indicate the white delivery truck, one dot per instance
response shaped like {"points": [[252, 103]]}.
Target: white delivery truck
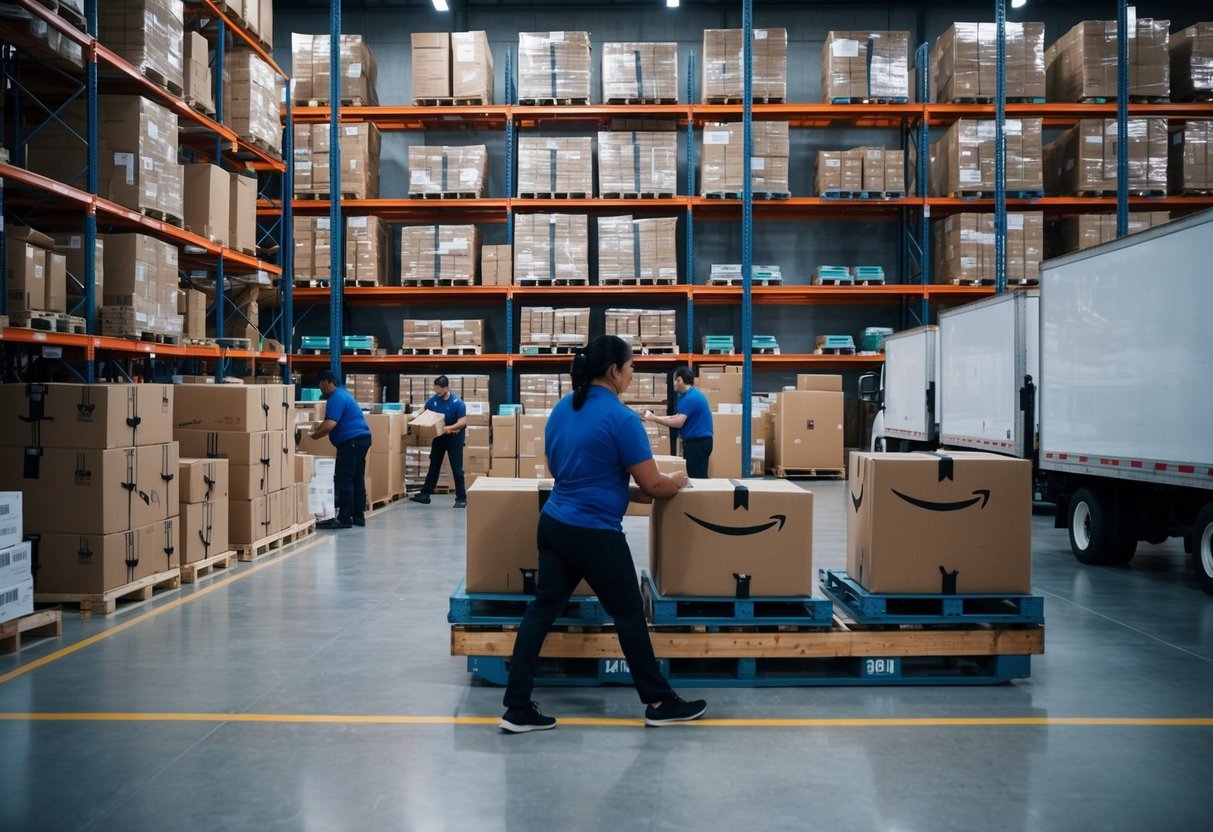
{"points": [[908, 419], [1126, 393]]}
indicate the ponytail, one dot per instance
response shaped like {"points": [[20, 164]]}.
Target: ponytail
{"points": [[594, 362]]}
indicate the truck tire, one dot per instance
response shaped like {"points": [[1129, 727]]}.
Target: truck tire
{"points": [[1091, 531], [1202, 553]]}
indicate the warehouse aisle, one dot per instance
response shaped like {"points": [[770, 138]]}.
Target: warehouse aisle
{"points": [[315, 691]]}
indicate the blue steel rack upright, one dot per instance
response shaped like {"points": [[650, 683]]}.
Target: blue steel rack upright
{"points": [[336, 229], [747, 233]]}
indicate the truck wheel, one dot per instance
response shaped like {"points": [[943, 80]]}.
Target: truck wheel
{"points": [[1202, 554], [1090, 530]]}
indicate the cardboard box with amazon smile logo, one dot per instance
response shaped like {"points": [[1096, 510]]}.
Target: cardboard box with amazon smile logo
{"points": [[706, 535], [940, 523]]}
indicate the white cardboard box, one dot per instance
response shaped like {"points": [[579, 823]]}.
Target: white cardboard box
{"points": [[12, 526], [16, 564], [16, 600]]}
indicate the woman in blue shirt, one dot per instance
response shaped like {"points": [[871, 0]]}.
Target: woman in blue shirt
{"points": [[593, 444]]}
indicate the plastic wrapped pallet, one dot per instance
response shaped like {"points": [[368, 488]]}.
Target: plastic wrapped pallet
{"points": [[439, 252], [647, 388], [965, 57], [471, 66], [723, 162], [252, 96], [640, 73], [1190, 158], [497, 265], [1083, 160], [1088, 230], [553, 65], [141, 289], [1082, 63], [865, 65], [872, 169], [422, 334], [368, 251], [556, 165], [637, 249], [463, 333], [149, 34], [313, 248], [1192, 62], [310, 65], [366, 388], [442, 170], [964, 247], [360, 150], [551, 247], [964, 159], [723, 79], [637, 163]]}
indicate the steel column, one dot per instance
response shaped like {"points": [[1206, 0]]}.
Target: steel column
{"points": [[922, 137], [510, 137], [92, 116], [690, 216], [1122, 116], [1000, 148], [336, 230], [286, 236], [747, 231]]}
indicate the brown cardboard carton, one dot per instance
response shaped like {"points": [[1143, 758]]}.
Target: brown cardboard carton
{"points": [[56, 282], [204, 480], [431, 55], [666, 464], [72, 247], [725, 460], [247, 482], [471, 66], [232, 407], [387, 432], [387, 475], [242, 234], [95, 563], [26, 265], [199, 86], [204, 530], [238, 448], [809, 428], [715, 529], [930, 523], [428, 424], [208, 202], [101, 415], [321, 448], [1192, 61], [819, 381], [303, 510]]}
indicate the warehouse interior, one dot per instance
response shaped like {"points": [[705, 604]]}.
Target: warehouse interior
{"points": [[330, 679]]}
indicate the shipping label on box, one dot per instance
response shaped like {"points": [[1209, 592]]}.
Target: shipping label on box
{"points": [[12, 524], [16, 563]]}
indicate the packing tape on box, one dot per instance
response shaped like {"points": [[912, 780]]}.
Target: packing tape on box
{"points": [[636, 162], [639, 77], [552, 58], [437, 251], [552, 166], [552, 249], [636, 249], [444, 168]]}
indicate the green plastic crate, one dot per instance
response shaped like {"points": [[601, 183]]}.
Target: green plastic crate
{"points": [[872, 338]]}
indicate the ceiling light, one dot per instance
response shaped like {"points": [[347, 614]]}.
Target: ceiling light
{"points": [[440, 5], [1018, 4], [671, 4]]}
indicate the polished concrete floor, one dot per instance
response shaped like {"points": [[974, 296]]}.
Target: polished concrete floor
{"points": [[314, 691]]}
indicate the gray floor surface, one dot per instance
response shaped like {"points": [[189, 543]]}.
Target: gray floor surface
{"points": [[354, 624]]}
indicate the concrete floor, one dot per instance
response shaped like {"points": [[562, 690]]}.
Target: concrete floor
{"points": [[265, 672]]}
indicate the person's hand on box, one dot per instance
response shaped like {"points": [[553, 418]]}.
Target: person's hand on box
{"points": [[648, 414], [680, 479]]}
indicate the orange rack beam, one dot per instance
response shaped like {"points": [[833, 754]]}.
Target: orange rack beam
{"points": [[93, 344]]}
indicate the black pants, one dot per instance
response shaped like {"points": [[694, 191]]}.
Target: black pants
{"points": [[696, 453], [349, 478], [566, 555], [450, 445]]}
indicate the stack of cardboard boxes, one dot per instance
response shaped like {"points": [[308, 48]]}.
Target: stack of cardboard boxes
{"points": [[1088, 230], [148, 34], [808, 425], [722, 387], [637, 163], [496, 265], [865, 65], [252, 92], [1084, 159], [246, 424], [637, 250], [965, 59], [723, 167], [368, 251], [141, 287], [1082, 63], [445, 170], [553, 65], [360, 148], [37, 274], [221, 206], [421, 335], [644, 327], [872, 169], [648, 391], [191, 306], [310, 69], [385, 464], [366, 388], [640, 73], [1192, 62], [434, 335], [198, 84], [16, 562], [541, 391], [99, 475], [439, 252], [455, 65], [1190, 159], [723, 70], [964, 247], [551, 247], [313, 248], [518, 446], [544, 326], [71, 246], [205, 485], [964, 159], [556, 166]]}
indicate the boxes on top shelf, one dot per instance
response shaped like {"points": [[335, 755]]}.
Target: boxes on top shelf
{"points": [[723, 78], [865, 65], [1083, 160], [638, 249], [640, 72], [149, 34], [1192, 62], [199, 86], [556, 166], [252, 95], [553, 66], [965, 57], [1081, 65], [1190, 158], [471, 67], [310, 65]]}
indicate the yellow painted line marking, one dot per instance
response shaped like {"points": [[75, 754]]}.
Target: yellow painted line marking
{"points": [[172, 605], [353, 719]]}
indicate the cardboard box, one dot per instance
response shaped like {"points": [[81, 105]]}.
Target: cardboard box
{"points": [[864, 65], [208, 202], [204, 530], [204, 480], [1191, 61], [809, 430], [553, 65], [95, 563], [232, 407], [12, 523], [723, 76], [387, 432], [72, 247], [25, 261], [666, 464], [242, 214], [705, 534], [427, 424], [387, 475], [256, 519], [431, 58], [725, 460], [819, 381], [644, 71], [471, 66], [1082, 63], [199, 85], [303, 510], [555, 165], [16, 564], [960, 523], [85, 415], [964, 58], [17, 600]]}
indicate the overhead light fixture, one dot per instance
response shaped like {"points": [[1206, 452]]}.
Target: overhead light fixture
{"points": [[1018, 4], [671, 4], [440, 5]]}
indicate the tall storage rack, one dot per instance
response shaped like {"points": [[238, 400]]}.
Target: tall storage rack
{"points": [[916, 294], [64, 206]]}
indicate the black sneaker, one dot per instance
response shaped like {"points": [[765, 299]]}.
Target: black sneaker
{"points": [[461, 504], [522, 720], [332, 523], [424, 499], [674, 710], [359, 521]]}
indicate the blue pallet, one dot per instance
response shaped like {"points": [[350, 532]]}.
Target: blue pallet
{"points": [[868, 608], [701, 611], [508, 608], [771, 673]]}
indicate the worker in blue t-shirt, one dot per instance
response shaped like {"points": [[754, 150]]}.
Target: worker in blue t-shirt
{"points": [[346, 428], [594, 443], [693, 421], [449, 444]]}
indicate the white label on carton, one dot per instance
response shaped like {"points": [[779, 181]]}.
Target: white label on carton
{"points": [[716, 137], [968, 262], [149, 163], [969, 175], [153, 131], [553, 144], [1132, 21], [668, 271], [465, 54], [353, 164], [760, 34], [551, 219], [38, 269], [351, 131], [126, 160], [833, 163], [1093, 139], [985, 130], [468, 176], [355, 70], [322, 223], [758, 163], [845, 48], [419, 177], [358, 222], [1014, 222], [556, 37], [74, 242]]}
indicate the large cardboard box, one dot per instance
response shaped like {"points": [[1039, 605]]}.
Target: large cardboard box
{"points": [[208, 202], [935, 523], [819, 381], [809, 430], [197, 76], [471, 66], [232, 407], [387, 475], [203, 480], [12, 525], [305, 467], [204, 530], [387, 432], [17, 600], [96, 563], [242, 214], [253, 520], [16, 564], [431, 54], [666, 464], [85, 415], [725, 460], [427, 424], [703, 536], [25, 261]]}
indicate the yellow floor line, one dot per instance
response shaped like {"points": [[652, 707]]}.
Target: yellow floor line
{"points": [[172, 605], [340, 719]]}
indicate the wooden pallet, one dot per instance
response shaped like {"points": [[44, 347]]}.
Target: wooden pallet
{"points": [[107, 602], [440, 195], [451, 101], [553, 102], [66, 12], [868, 195], [200, 106], [640, 195], [552, 281], [191, 572], [977, 193], [38, 624], [177, 222], [834, 351], [161, 81], [553, 195], [317, 197], [984, 281], [324, 102], [772, 196], [270, 544], [440, 351], [638, 281], [737, 99], [656, 349], [550, 349], [737, 281], [896, 99], [1148, 193], [456, 281], [629, 101], [809, 473], [273, 151], [384, 502]]}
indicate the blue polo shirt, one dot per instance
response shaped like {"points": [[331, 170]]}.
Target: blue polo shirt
{"points": [[342, 409], [589, 452], [694, 405], [452, 407]]}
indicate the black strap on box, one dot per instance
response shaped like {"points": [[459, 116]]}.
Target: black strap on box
{"points": [[35, 395], [83, 553], [741, 495], [31, 468], [132, 555], [636, 162], [210, 486], [34, 541], [636, 248], [743, 585], [551, 248], [639, 75], [553, 162], [529, 579], [212, 445], [208, 517], [947, 466], [552, 65], [437, 252], [85, 406], [444, 168], [871, 48], [948, 581], [265, 405], [165, 474], [170, 535], [133, 421]]}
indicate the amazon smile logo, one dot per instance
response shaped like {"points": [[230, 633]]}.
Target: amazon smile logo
{"points": [[739, 531], [981, 495]]}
